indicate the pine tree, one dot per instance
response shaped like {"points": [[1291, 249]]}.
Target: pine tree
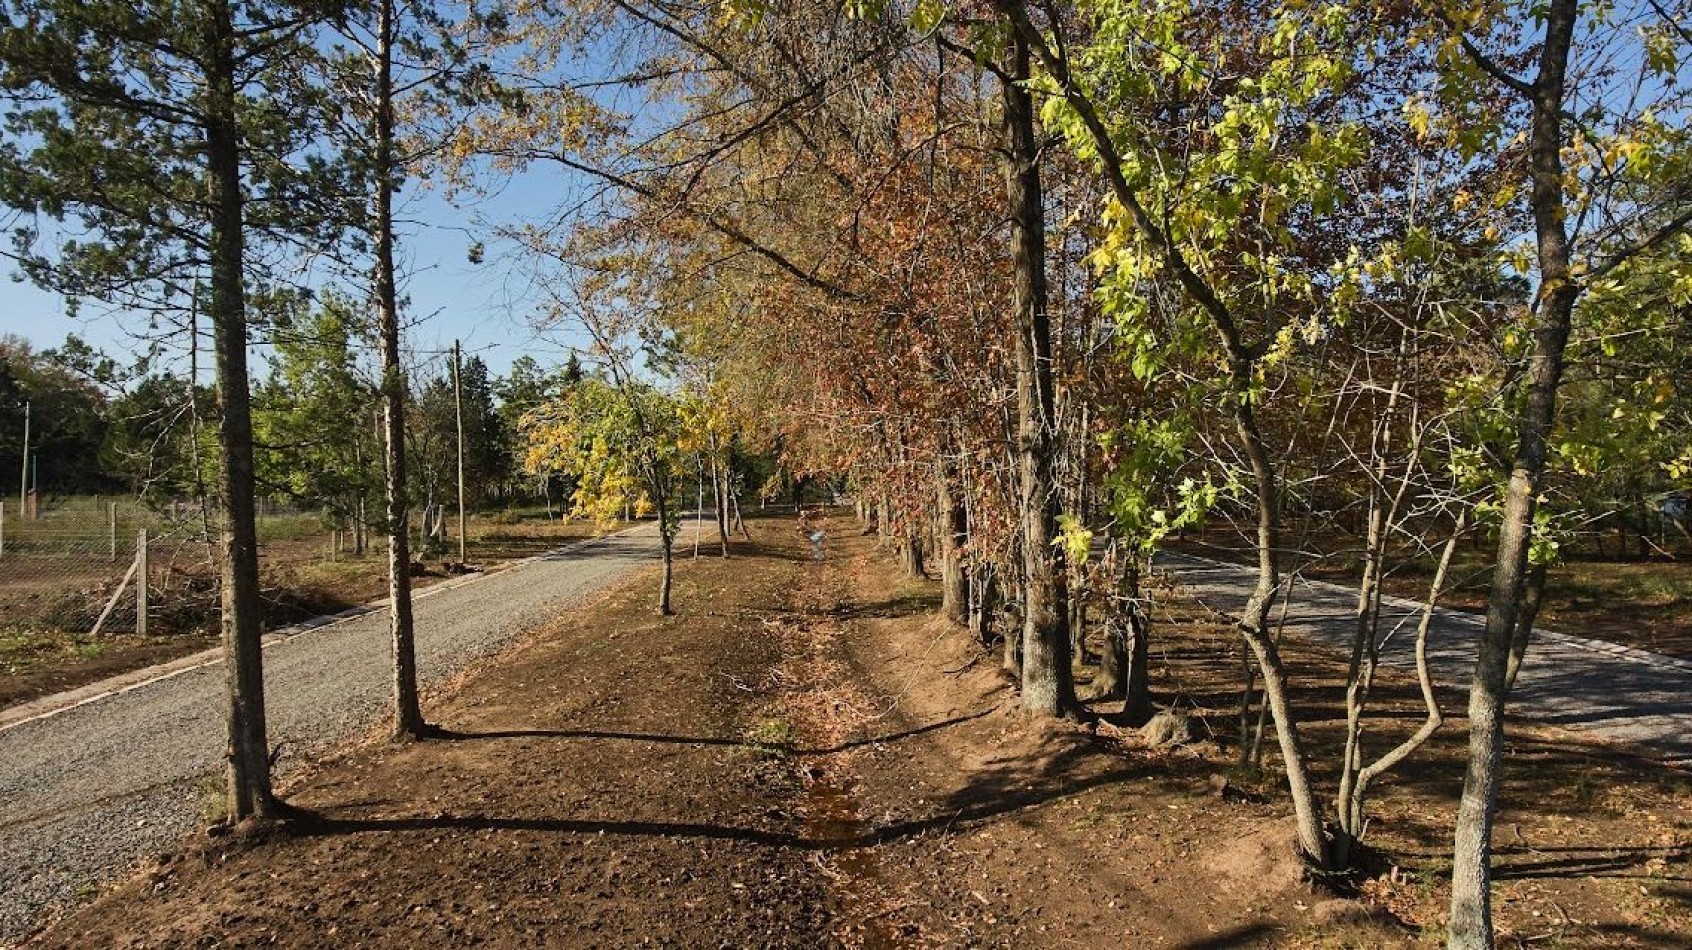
{"points": [[179, 138]]}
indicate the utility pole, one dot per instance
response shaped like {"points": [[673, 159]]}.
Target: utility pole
{"points": [[458, 408], [23, 484], [194, 421]]}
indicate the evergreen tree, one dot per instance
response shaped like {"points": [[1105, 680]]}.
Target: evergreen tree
{"points": [[179, 138]]}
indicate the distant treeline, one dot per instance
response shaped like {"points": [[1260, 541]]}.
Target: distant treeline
{"points": [[98, 428]]}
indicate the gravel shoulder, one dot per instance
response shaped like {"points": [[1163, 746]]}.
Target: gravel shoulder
{"points": [[87, 792]]}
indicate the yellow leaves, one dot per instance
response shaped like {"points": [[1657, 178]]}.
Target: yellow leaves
{"points": [[1662, 391], [1518, 257], [1679, 467]]}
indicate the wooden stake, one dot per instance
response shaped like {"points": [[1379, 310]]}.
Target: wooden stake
{"points": [[122, 586], [141, 598]]}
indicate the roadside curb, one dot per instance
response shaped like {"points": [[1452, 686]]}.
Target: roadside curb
{"points": [[47, 707]]}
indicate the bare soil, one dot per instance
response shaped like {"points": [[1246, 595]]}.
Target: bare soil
{"points": [[41, 664], [806, 757]]}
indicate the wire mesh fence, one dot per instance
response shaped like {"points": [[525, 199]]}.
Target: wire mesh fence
{"points": [[90, 565], [74, 566]]}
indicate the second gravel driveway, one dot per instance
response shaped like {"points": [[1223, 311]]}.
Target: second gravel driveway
{"points": [[1616, 693]]}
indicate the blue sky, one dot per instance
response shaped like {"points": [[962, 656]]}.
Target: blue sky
{"points": [[483, 305]]}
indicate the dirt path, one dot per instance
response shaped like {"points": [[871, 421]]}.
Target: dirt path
{"points": [[783, 765], [991, 829]]}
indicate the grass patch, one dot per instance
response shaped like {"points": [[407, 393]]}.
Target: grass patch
{"points": [[771, 734], [24, 650], [211, 793]]}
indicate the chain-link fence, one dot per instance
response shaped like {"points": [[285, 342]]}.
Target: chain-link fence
{"points": [[90, 565]]}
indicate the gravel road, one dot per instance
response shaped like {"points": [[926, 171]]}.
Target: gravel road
{"points": [[88, 791], [1617, 693]]}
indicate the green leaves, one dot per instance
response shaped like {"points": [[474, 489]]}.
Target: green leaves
{"points": [[105, 126]]}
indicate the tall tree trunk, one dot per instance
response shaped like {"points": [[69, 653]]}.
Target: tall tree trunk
{"points": [[983, 601], [408, 713], [1048, 685], [1137, 705], [910, 553], [666, 540], [1013, 604], [1254, 620], [1241, 366], [719, 493], [1471, 885], [952, 528], [250, 794], [1011, 612], [1112, 681], [1123, 672]]}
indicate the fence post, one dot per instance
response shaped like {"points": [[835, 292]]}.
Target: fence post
{"points": [[111, 524], [2, 527], [141, 583]]}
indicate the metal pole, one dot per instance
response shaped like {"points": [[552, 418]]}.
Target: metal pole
{"points": [[458, 406], [111, 523]]}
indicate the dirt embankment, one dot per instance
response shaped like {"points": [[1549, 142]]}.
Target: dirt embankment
{"points": [[804, 757]]}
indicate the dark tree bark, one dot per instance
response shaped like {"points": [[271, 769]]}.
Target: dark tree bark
{"points": [[667, 541], [720, 494], [1048, 685], [952, 528], [910, 554], [1112, 681], [1533, 596], [408, 713], [1122, 671], [1137, 705], [983, 601], [250, 793]]}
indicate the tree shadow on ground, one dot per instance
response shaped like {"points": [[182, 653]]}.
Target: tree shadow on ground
{"points": [[902, 605], [1583, 862], [1241, 936], [982, 803], [450, 735], [1619, 935]]}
